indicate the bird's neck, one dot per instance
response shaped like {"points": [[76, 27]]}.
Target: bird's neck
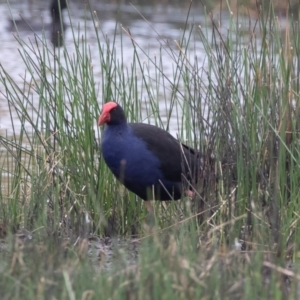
{"points": [[55, 16], [117, 127]]}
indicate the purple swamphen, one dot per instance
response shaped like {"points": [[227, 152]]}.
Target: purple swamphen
{"points": [[148, 160]]}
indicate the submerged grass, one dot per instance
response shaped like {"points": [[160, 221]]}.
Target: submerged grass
{"points": [[238, 105]]}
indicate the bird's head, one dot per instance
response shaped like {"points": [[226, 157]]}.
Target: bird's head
{"points": [[112, 114]]}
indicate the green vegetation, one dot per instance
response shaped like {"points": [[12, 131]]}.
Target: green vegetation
{"points": [[238, 105]]}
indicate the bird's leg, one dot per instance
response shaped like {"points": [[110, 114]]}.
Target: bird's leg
{"points": [[148, 206], [190, 193], [150, 218]]}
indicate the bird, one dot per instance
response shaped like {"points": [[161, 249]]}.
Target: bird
{"points": [[146, 159], [56, 27]]}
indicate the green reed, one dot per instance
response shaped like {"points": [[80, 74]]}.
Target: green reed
{"points": [[235, 101]]}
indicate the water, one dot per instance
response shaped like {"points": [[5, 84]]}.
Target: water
{"points": [[152, 27]]}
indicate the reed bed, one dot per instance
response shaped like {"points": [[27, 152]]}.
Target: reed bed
{"points": [[70, 231]]}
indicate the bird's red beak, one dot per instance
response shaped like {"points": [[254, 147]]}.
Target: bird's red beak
{"points": [[104, 118], [105, 115]]}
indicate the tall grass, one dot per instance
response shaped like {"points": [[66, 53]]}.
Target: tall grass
{"points": [[238, 106]]}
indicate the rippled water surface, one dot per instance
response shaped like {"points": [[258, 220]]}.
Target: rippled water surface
{"points": [[152, 27]]}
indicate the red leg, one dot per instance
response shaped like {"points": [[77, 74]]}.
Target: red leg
{"points": [[190, 193], [148, 206]]}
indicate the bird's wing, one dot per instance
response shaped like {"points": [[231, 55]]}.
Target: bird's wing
{"points": [[175, 158]]}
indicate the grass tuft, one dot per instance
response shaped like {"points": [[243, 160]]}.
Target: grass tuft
{"points": [[69, 230]]}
